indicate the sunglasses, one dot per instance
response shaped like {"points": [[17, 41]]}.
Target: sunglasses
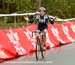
{"points": [[42, 10]]}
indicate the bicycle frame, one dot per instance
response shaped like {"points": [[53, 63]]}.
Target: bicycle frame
{"points": [[40, 39]]}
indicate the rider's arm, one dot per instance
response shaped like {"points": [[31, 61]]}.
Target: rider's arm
{"points": [[32, 20], [28, 20], [35, 19], [51, 19]]}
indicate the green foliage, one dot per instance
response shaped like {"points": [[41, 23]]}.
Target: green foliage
{"points": [[25, 6], [61, 8], [10, 1]]}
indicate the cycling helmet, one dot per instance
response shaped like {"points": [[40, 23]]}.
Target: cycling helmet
{"points": [[42, 9]]}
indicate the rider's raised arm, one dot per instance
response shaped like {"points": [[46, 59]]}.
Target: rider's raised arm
{"points": [[35, 19], [32, 20], [51, 20]]}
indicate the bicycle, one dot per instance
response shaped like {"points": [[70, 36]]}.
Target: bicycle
{"points": [[40, 44]]}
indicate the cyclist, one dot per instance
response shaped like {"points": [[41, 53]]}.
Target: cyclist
{"points": [[42, 19]]}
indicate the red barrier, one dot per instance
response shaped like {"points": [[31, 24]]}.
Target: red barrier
{"points": [[20, 41]]}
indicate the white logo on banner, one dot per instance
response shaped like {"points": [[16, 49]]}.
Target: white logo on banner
{"points": [[73, 27], [13, 37], [56, 34], [48, 41], [66, 31], [30, 38], [33, 39], [2, 53]]}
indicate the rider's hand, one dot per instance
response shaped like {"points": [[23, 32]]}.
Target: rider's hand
{"points": [[26, 18], [55, 17]]}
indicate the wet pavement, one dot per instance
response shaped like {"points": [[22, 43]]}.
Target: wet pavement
{"points": [[64, 55]]}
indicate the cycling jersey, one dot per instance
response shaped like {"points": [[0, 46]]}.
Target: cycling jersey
{"points": [[42, 21]]}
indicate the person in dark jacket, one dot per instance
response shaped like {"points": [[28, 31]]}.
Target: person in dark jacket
{"points": [[42, 19]]}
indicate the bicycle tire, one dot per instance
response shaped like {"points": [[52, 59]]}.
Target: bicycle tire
{"points": [[42, 51], [36, 53], [39, 46]]}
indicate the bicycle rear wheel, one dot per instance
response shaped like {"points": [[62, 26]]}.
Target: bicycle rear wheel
{"points": [[36, 53], [42, 51], [39, 50]]}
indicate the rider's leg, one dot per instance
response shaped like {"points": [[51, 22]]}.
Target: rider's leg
{"points": [[44, 37], [37, 35]]}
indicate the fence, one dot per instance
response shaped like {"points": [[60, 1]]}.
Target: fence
{"points": [[23, 14]]}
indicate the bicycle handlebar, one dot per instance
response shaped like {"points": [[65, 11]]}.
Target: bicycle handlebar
{"points": [[35, 32]]}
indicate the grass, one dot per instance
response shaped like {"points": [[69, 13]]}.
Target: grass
{"points": [[12, 25], [4, 25]]}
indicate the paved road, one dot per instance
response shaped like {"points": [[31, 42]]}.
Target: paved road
{"points": [[64, 55]]}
